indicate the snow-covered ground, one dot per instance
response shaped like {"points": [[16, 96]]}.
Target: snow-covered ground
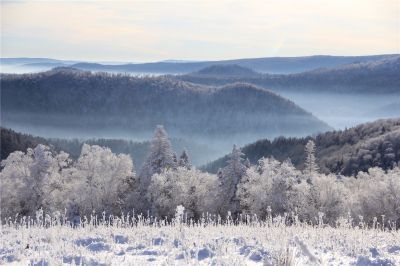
{"points": [[256, 243]]}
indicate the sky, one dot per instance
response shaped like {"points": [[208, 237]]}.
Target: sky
{"points": [[143, 31]]}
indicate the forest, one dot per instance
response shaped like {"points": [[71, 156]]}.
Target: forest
{"points": [[100, 181], [91, 104], [11, 141], [347, 152], [359, 77]]}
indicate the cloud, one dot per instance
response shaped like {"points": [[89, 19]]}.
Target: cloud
{"points": [[155, 30]]}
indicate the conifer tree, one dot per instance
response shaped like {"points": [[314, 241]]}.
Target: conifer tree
{"points": [[184, 160], [160, 157], [229, 179], [311, 166]]}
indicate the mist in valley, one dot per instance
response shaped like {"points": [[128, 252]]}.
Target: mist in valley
{"points": [[201, 147], [340, 110], [205, 137]]}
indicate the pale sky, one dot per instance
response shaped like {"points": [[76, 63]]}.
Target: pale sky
{"points": [[138, 31]]}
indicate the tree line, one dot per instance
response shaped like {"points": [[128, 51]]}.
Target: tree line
{"points": [[346, 152], [100, 181]]}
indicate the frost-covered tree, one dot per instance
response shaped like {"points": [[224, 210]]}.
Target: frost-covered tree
{"points": [[229, 179], [327, 195], [311, 166], [389, 156], [101, 181], [191, 188], [32, 180], [160, 157], [247, 163], [376, 193], [270, 184], [184, 160]]}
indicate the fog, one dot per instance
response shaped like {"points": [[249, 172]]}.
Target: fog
{"points": [[208, 136], [346, 110], [202, 147], [21, 69]]}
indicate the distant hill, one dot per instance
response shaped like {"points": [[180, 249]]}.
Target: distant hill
{"points": [[226, 70], [346, 152], [27, 60], [274, 65], [73, 99], [35, 61], [28, 65], [380, 76], [283, 65]]}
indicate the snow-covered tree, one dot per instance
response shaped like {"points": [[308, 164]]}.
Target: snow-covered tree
{"points": [[191, 188], [32, 180], [229, 179], [101, 180], [375, 193], [160, 157], [247, 163], [311, 166], [271, 183], [326, 195], [184, 160]]}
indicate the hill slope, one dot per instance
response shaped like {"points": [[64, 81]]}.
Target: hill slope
{"points": [[346, 152], [226, 70], [277, 65], [268, 64], [373, 76], [73, 99]]}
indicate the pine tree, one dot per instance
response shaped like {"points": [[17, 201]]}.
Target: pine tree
{"points": [[311, 166], [174, 159], [247, 163], [160, 157], [184, 160], [229, 179]]}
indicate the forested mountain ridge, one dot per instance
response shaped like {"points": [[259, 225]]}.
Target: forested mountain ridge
{"points": [[226, 70], [346, 152], [267, 65], [380, 76], [276, 65], [66, 97]]}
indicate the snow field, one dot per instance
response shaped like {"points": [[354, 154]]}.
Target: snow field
{"points": [[254, 243]]}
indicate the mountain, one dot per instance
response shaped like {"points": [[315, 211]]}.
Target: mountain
{"points": [[276, 65], [381, 76], [28, 60], [75, 100], [267, 64], [28, 65], [346, 152], [36, 62], [226, 70]]}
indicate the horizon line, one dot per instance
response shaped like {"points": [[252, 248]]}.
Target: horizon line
{"points": [[195, 60]]}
